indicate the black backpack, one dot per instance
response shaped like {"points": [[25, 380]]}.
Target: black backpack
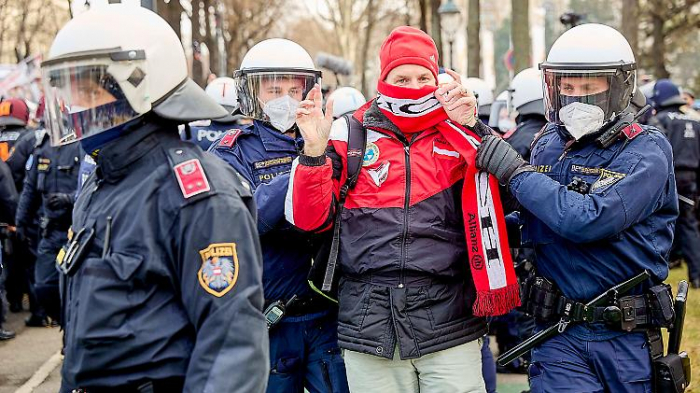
{"points": [[323, 276]]}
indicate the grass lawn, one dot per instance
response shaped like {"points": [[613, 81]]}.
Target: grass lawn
{"points": [[691, 330]]}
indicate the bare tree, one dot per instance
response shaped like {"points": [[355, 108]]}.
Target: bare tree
{"points": [[424, 8], [520, 34], [171, 11], [246, 22], [474, 39], [369, 29], [436, 27], [630, 23]]}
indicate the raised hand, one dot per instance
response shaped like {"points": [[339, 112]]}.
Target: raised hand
{"points": [[458, 101], [315, 126]]}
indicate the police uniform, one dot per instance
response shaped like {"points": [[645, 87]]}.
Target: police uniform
{"points": [[49, 189], [303, 346], [164, 273], [586, 241], [684, 134], [16, 145], [205, 132], [523, 135], [8, 206]]}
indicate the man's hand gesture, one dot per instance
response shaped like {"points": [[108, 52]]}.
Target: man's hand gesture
{"points": [[315, 126]]}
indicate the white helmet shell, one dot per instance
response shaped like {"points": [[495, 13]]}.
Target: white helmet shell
{"points": [[223, 91], [480, 87], [346, 100], [141, 57], [591, 43], [277, 53], [525, 88]]}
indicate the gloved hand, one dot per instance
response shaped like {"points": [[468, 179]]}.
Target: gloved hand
{"points": [[497, 157], [59, 201]]}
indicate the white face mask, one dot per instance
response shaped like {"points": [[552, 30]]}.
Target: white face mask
{"points": [[581, 119], [282, 112]]}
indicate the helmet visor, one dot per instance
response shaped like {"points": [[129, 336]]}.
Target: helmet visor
{"points": [[610, 90], [256, 89], [84, 99]]}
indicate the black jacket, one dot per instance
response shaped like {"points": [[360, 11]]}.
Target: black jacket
{"points": [[176, 288]]}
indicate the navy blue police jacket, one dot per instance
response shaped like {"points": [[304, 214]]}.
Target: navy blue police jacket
{"points": [[174, 286], [205, 132], [263, 156], [49, 170], [586, 243]]}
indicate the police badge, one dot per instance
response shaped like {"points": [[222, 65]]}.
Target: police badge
{"points": [[219, 270]]}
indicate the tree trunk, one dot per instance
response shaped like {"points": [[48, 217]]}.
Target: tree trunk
{"points": [[197, 39], [424, 15], [436, 29], [474, 40], [371, 18], [520, 34], [630, 23], [659, 45], [211, 38], [172, 13]]}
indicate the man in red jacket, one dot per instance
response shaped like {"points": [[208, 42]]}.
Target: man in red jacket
{"points": [[422, 252]]}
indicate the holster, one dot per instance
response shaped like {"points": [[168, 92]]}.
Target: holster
{"points": [[671, 373]]}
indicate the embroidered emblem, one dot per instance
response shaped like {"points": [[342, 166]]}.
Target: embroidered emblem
{"points": [[191, 178], [584, 170], [219, 270], [632, 131], [689, 132], [606, 179], [272, 162], [371, 154], [230, 138], [380, 173]]}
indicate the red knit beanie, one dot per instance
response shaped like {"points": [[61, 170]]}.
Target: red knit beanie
{"points": [[408, 45]]}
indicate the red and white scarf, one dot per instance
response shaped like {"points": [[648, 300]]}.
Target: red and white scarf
{"points": [[497, 290]]}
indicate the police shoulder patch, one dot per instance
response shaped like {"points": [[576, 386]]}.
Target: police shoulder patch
{"points": [[191, 178], [632, 131], [606, 179], [230, 138], [219, 270]]}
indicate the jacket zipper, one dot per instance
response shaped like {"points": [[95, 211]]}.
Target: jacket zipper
{"points": [[406, 205]]}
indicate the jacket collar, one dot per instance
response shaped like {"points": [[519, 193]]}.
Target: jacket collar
{"points": [[274, 140], [116, 158]]}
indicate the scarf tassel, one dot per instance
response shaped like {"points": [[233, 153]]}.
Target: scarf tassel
{"points": [[497, 301]]}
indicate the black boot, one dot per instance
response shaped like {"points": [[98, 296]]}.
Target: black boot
{"points": [[36, 321], [695, 283], [6, 334]]}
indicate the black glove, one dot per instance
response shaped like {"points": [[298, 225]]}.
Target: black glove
{"points": [[59, 201], [497, 157]]}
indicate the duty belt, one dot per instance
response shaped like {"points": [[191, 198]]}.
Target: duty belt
{"points": [[304, 305], [547, 304]]}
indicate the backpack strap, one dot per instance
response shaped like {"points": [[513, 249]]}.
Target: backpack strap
{"points": [[357, 143]]}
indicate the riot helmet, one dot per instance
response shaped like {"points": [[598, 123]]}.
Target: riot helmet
{"points": [[589, 78], [112, 65], [526, 94], [274, 77], [346, 100]]}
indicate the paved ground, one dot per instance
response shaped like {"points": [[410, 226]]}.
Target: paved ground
{"points": [[31, 362]]}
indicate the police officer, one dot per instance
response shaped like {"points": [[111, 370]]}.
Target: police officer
{"points": [[49, 188], [484, 97], [614, 219], [346, 100], [8, 205], [527, 99], [684, 134], [163, 269], [17, 141], [273, 78], [206, 132]]}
